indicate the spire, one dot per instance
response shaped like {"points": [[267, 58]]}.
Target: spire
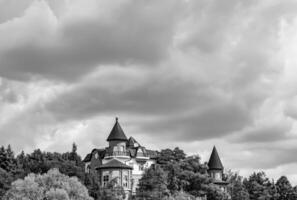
{"points": [[117, 132], [214, 162]]}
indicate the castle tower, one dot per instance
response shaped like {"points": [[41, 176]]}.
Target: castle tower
{"points": [[215, 166], [117, 141]]}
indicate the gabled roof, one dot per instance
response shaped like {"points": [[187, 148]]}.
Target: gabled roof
{"points": [[132, 152], [214, 162], [88, 157], [117, 133], [114, 164], [131, 142]]}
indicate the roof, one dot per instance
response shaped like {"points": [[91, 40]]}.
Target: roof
{"points": [[114, 164], [132, 152], [88, 157], [214, 162], [131, 142], [117, 133]]}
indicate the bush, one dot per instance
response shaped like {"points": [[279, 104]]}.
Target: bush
{"points": [[52, 186]]}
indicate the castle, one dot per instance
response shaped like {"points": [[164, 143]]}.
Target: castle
{"points": [[125, 161]]}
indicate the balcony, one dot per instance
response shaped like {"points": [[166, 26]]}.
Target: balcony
{"points": [[117, 154]]}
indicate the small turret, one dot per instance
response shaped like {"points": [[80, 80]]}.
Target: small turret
{"points": [[117, 133], [117, 140], [215, 166]]}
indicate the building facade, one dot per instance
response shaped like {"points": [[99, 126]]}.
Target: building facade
{"points": [[125, 160]]}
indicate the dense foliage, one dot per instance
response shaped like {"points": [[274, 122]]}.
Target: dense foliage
{"points": [[17, 167], [51, 186], [175, 176]]}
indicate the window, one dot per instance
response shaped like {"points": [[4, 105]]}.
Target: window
{"points": [[105, 179], [125, 182], [218, 176], [88, 168], [121, 148]]}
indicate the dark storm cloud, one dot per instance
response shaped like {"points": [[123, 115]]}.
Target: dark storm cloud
{"points": [[268, 157], [177, 108], [269, 133], [152, 96], [212, 122], [137, 32]]}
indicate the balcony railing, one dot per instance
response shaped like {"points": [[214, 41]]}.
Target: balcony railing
{"points": [[141, 154], [117, 153]]}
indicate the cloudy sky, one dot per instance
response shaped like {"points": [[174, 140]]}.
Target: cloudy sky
{"points": [[187, 73]]}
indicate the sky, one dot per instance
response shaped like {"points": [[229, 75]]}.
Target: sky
{"points": [[186, 73]]}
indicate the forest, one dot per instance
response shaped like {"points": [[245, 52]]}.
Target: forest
{"points": [[51, 175]]}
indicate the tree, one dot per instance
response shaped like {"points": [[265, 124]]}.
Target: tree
{"points": [[236, 187], [5, 181], [213, 192], [239, 192], [284, 188], [153, 184], [168, 155], [52, 185], [93, 185], [295, 192], [7, 160], [259, 187], [112, 191], [180, 196], [192, 163]]}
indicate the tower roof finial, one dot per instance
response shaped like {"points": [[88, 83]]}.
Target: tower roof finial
{"points": [[214, 162], [117, 132]]}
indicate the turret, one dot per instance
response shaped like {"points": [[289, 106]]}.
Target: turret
{"points": [[117, 140], [215, 166]]}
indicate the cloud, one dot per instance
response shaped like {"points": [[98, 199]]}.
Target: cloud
{"points": [[12, 8], [212, 122], [74, 44], [265, 134]]}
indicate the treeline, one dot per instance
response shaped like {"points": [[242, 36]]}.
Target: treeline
{"points": [[175, 176], [180, 177], [38, 162]]}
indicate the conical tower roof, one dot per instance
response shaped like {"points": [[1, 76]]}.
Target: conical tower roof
{"points": [[117, 133], [214, 162]]}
